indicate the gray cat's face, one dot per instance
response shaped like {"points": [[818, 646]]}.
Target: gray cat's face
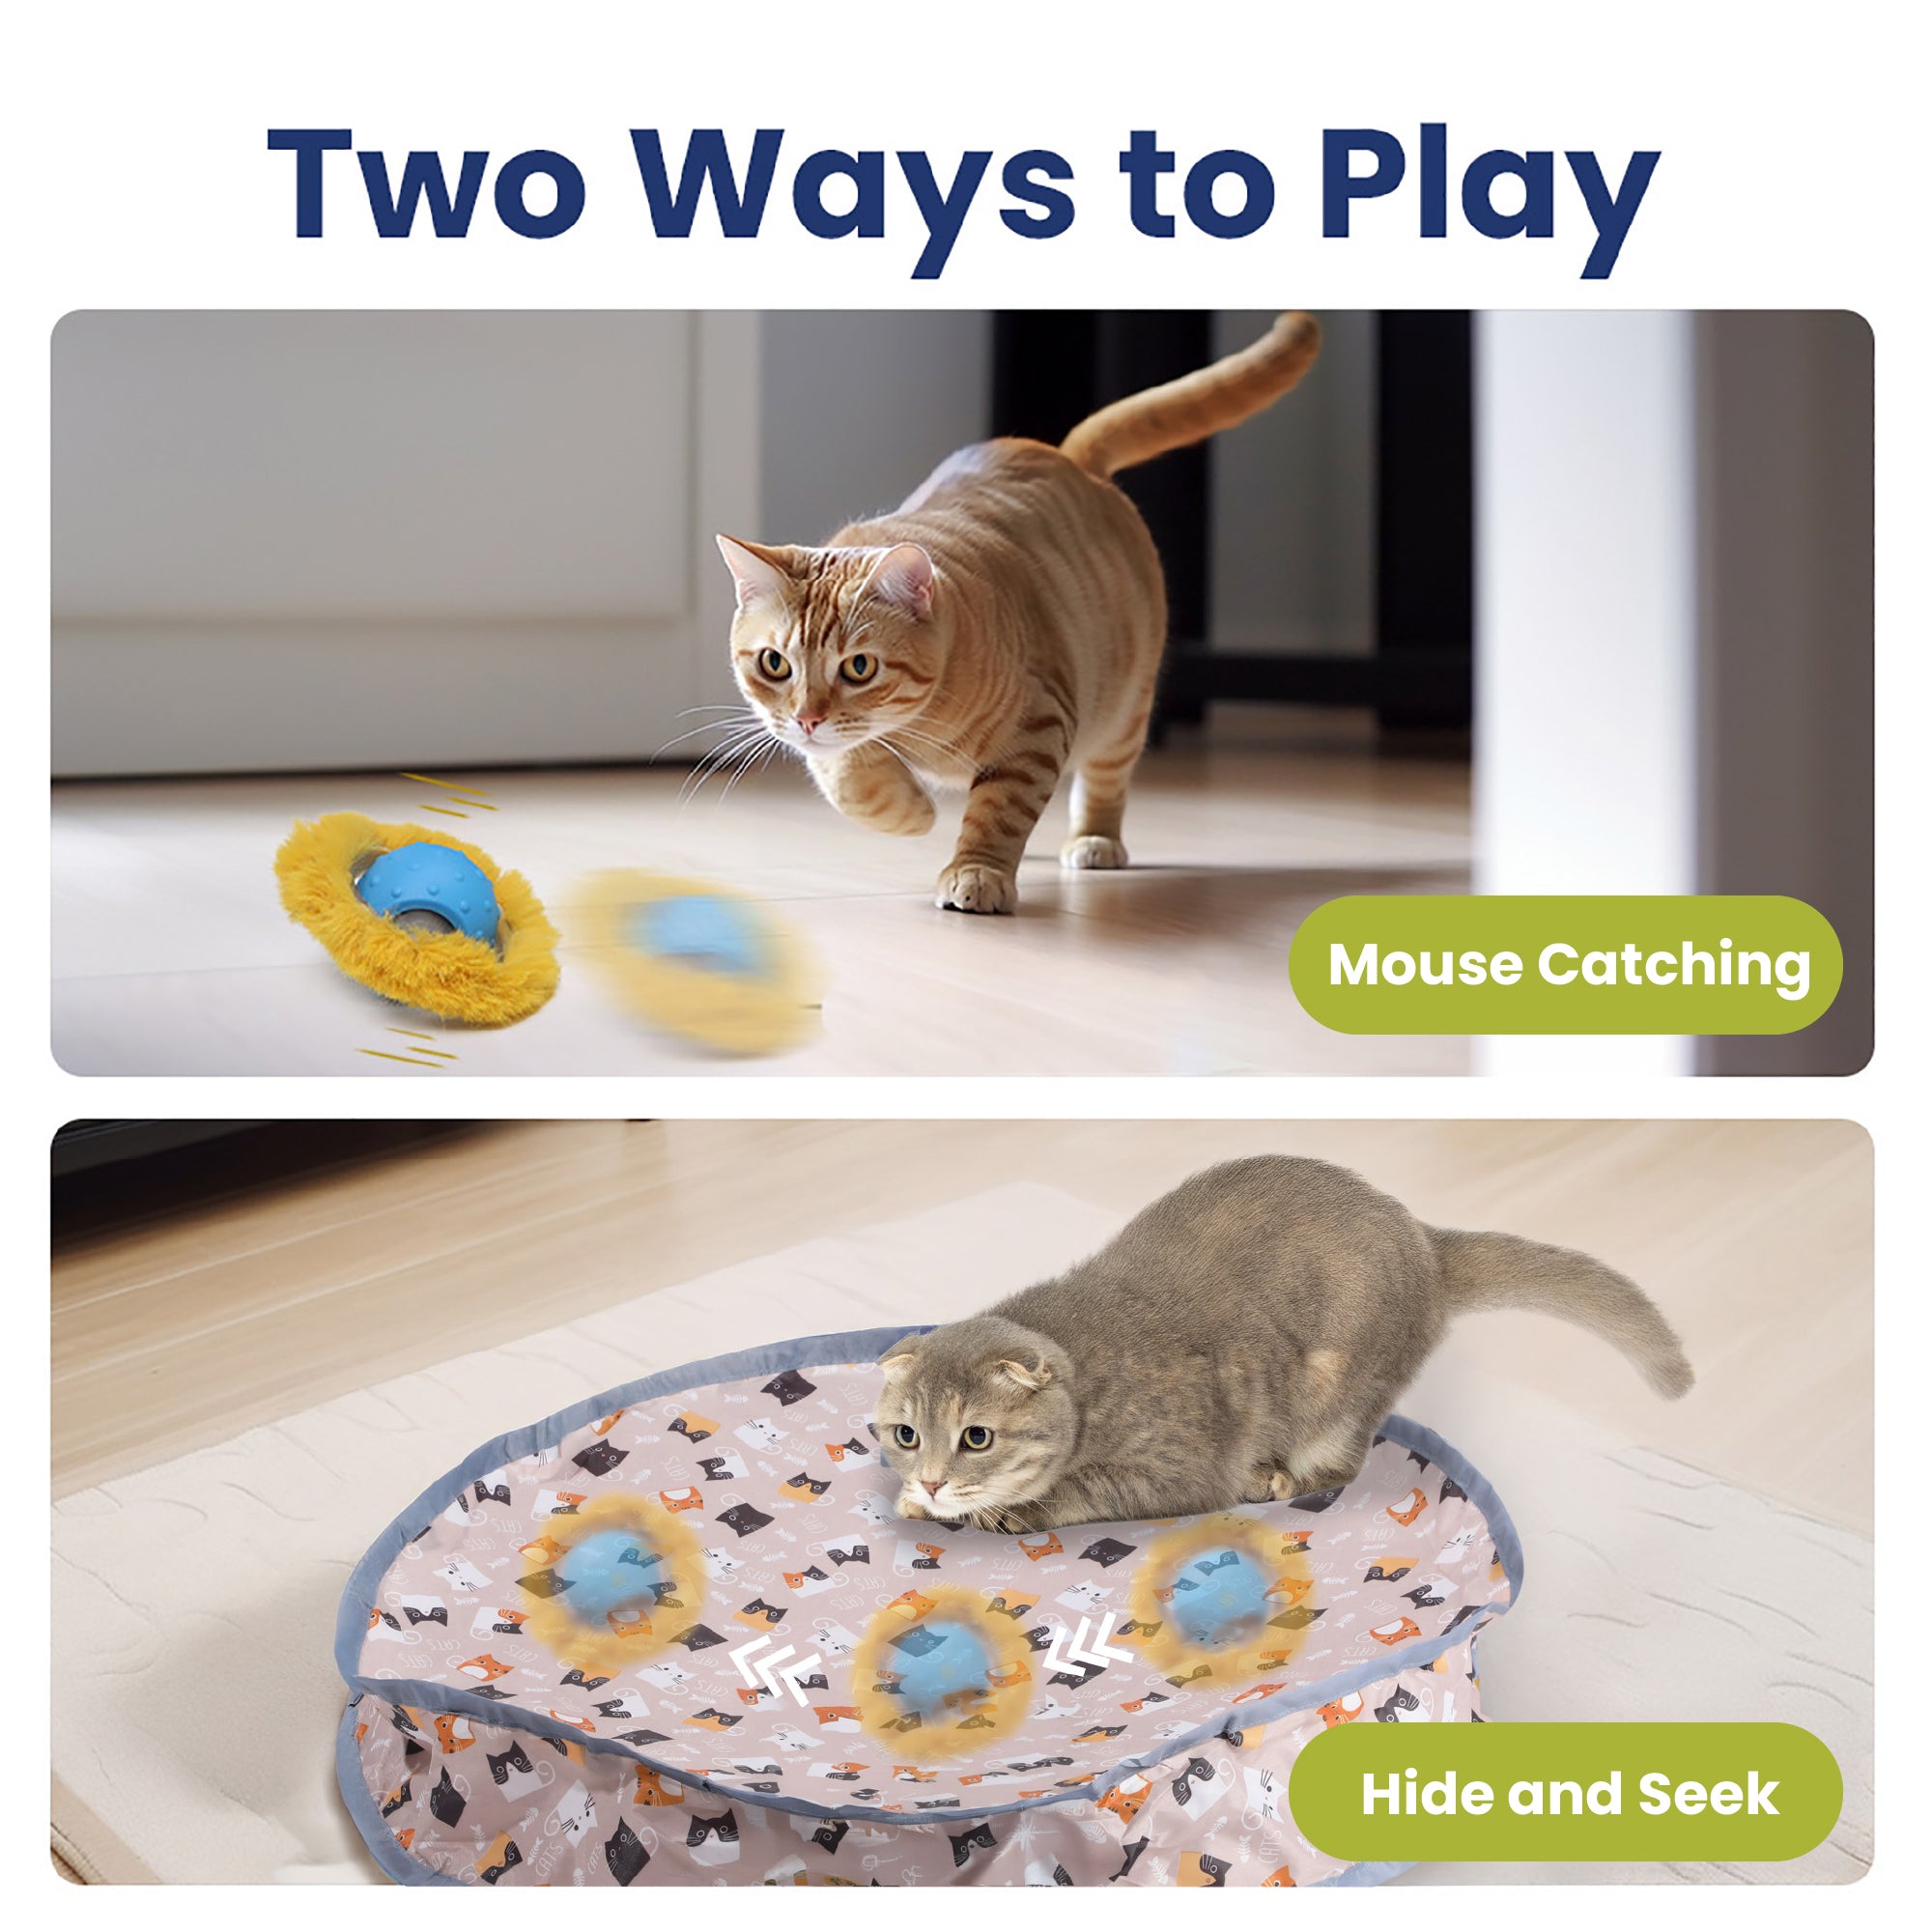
{"points": [[971, 1434]]}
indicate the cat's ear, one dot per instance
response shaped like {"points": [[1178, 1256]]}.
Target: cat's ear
{"points": [[1029, 1375], [755, 570], [900, 1355], [904, 578]]}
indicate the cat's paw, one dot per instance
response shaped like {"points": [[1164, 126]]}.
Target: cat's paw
{"points": [[906, 1505], [1091, 853], [977, 888]]}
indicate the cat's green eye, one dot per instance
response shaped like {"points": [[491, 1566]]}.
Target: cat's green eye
{"points": [[774, 663], [905, 1435], [977, 1437], [861, 668]]}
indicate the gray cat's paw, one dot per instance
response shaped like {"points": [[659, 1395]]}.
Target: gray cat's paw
{"points": [[977, 888], [1091, 853], [905, 1506]]}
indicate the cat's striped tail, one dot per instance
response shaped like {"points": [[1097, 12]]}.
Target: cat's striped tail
{"points": [[1479, 1271], [1196, 406]]}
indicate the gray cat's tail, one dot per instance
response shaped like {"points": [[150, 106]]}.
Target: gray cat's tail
{"points": [[1479, 1271], [1194, 407]]}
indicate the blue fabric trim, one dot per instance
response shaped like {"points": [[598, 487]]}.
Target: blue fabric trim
{"points": [[857, 1345], [1355, 1876]]}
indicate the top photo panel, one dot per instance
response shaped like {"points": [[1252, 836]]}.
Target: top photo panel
{"points": [[1029, 691]]}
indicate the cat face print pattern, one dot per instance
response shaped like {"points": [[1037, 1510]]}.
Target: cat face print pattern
{"points": [[1213, 1814], [689, 1640]]}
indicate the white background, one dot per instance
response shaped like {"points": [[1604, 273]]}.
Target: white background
{"points": [[1790, 177]]}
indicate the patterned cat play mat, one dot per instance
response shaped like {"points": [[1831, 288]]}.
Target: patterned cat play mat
{"points": [[676, 1635]]}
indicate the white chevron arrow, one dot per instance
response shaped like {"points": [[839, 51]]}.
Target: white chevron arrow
{"points": [[792, 1672], [743, 1651], [769, 1671], [1077, 1651]]}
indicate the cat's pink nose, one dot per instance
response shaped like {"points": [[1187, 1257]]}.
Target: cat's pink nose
{"points": [[932, 1488], [809, 721]]}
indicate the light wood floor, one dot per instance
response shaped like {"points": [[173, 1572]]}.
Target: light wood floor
{"points": [[171, 954], [181, 1326]]}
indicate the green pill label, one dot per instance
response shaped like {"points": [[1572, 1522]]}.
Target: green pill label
{"points": [[1566, 1791], [1445, 964]]}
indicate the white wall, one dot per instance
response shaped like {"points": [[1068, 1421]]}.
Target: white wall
{"points": [[1587, 626], [287, 539], [365, 466]]}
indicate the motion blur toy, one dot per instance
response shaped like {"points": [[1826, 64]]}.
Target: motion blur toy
{"points": [[676, 1635], [706, 964], [420, 918]]}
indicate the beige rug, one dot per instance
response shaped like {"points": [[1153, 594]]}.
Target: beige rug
{"points": [[1652, 1590]]}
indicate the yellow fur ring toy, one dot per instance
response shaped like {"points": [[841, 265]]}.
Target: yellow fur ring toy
{"points": [[711, 966], [420, 918]]}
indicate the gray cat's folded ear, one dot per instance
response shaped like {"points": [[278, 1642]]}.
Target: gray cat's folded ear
{"points": [[900, 1354], [1029, 1375]]}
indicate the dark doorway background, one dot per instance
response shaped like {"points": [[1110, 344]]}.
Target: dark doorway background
{"points": [[1052, 367]]}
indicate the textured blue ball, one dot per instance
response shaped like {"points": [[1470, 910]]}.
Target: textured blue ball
{"points": [[936, 1660], [612, 1570], [421, 879], [1219, 1595]]}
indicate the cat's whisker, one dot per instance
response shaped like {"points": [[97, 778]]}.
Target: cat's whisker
{"points": [[709, 725], [732, 764], [926, 739], [714, 760], [755, 761], [901, 757]]}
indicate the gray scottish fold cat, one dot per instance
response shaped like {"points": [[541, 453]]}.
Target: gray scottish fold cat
{"points": [[1239, 1340]]}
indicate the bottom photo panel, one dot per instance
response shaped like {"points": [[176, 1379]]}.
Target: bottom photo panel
{"points": [[962, 1503]]}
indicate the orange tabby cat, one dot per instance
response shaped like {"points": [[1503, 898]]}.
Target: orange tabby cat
{"points": [[1003, 623]]}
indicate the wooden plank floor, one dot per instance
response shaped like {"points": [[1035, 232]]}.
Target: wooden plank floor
{"points": [[179, 1320], [171, 954]]}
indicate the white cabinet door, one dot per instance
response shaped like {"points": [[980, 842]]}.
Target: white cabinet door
{"points": [[347, 539]]}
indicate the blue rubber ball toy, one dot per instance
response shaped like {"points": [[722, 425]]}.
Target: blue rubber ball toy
{"points": [[1219, 1597], [939, 1660], [613, 1569], [431, 888]]}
